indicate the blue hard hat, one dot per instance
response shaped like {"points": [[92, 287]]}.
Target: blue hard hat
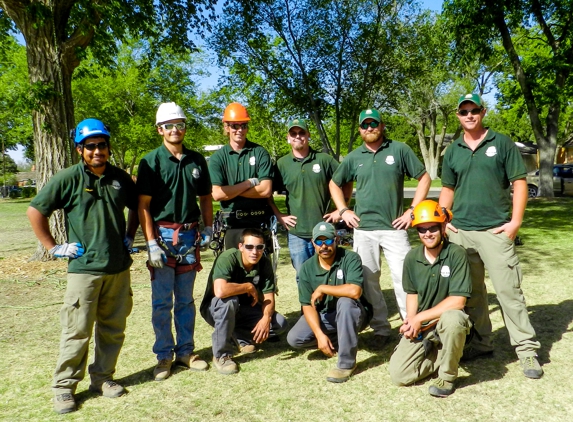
{"points": [[90, 128]]}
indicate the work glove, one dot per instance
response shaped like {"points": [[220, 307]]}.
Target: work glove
{"points": [[128, 242], [206, 236], [67, 250], [156, 255], [254, 182]]}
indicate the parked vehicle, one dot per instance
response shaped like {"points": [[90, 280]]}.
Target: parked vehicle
{"points": [[562, 180]]}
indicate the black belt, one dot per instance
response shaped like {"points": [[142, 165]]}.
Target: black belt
{"points": [[239, 214]]}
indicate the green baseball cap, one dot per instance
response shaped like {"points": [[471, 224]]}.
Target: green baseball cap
{"points": [[474, 98], [369, 113], [323, 229], [301, 123]]}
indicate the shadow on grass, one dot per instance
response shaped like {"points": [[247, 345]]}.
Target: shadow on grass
{"points": [[550, 322]]}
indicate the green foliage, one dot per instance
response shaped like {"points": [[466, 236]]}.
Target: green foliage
{"points": [[29, 191], [11, 166], [9, 179]]}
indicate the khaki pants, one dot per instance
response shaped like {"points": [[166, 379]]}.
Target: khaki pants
{"points": [[105, 300], [411, 361], [496, 253]]}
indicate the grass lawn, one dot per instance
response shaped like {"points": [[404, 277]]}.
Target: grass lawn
{"points": [[276, 383]]}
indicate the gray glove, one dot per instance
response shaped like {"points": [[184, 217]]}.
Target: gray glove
{"points": [[254, 182], [156, 255], [206, 236], [67, 250]]}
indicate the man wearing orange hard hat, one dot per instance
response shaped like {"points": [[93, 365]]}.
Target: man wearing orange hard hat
{"points": [[437, 282], [241, 173]]}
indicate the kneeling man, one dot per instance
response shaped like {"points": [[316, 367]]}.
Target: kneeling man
{"points": [[330, 292], [239, 301], [437, 282]]}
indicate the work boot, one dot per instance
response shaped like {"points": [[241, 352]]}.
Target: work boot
{"points": [[531, 367], [471, 353], [441, 388], [248, 349], [193, 362], [339, 375], [109, 389], [225, 365], [64, 403], [162, 370]]}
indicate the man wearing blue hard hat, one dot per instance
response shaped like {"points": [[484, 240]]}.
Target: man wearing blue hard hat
{"points": [[93, 194]]}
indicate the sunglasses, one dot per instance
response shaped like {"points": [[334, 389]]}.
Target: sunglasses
{"points": [[294, 134], [326, 242], [92, 147], [237, 126], [431, 229], [171, 126], [251, 247], [473, 111], [373, 124]]}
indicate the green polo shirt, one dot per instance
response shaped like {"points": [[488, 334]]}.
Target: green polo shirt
{"points": [[174, 184], [94, 209], [481, 180], [229, 266], [229, 167], [306, 182], [379, 178], [449, 275], [346, 269]]}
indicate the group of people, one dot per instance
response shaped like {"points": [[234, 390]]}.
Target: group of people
{"points": [[439, 286]]}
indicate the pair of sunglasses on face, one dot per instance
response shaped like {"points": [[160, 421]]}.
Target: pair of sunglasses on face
{"points": [[171, 126], [102, 146], [251, 247], [237, 126], [473, 111], [431, 229], [327, 242], [373, 124]]}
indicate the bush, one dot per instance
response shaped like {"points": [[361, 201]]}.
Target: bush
{"points": [[29, 191]]}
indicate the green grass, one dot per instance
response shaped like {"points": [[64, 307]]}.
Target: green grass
{"points": [[278, 384], [412, 183]]}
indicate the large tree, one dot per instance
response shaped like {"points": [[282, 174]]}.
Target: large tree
{"points": [[324, 58], [57, 34], [544, 80]]}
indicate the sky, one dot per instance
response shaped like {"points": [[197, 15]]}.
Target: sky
{"points": [[435, 5]]}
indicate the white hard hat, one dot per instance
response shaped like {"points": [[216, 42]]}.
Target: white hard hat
{"points": [[169, 111]]}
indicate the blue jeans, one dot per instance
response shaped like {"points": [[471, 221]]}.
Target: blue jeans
{"points": [[166, 286], [300, 250]]}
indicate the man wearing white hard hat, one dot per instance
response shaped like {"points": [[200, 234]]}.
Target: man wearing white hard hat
{"points": [[170, 179]]}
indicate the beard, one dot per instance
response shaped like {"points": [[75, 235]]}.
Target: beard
{"points": [[371, 138]]}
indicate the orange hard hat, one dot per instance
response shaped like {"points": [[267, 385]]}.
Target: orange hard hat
{"points": [[429, 211], [236, 112]]}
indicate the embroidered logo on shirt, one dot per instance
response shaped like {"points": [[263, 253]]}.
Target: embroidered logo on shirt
{"points": [[252, 161], [445, 271], [339, 274], [390, 160], [256, 279], [196, 173], [115, 184], [491, 152], [316, 168]]}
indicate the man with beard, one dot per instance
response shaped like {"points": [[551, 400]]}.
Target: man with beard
{"points": [[239, 301], [305, 174], [242, 174], [93, 195], [334, 312], [477, 172], [170, 180], [378, 167], [437, 282]]}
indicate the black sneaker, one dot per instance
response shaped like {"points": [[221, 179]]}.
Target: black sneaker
{"points": [[531, 367]]}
